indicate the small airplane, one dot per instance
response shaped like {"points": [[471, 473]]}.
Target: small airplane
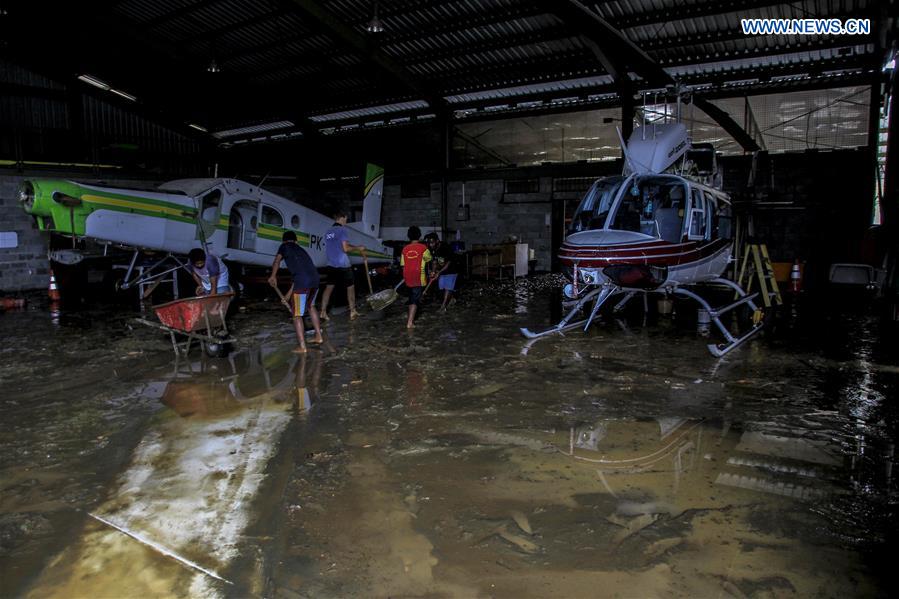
{"points": [[660, 227], [235, 220]]}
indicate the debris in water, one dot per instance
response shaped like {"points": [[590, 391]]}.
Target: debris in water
{"points": [[485, 390], [522, 521], [519, 541]]}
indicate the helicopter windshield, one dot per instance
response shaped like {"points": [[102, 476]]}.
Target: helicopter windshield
{"points": [[594, 208], [653, 206]]}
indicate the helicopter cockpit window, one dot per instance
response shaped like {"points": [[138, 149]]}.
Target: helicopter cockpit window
{"points": [[594, 208], [698, 217], [653, 206]]}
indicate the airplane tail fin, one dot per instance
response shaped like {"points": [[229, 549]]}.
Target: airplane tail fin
{"points": [[371, 201]]}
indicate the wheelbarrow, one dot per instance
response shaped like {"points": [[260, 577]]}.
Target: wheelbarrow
{"points": [[200, 319]]}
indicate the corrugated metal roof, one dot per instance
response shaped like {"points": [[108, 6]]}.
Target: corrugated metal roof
{"points": [[468, 51]]}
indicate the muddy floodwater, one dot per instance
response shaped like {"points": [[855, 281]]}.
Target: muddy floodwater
{"points": [[454, 460]]}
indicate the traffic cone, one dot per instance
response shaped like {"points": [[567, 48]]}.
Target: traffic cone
{"points": [[795, 277], [53, 291]]}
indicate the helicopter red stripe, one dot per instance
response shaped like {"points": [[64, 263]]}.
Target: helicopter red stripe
{"points": [[650, 253]]}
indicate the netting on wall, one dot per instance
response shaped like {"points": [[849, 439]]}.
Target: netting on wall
{"points": [[818, 119]]}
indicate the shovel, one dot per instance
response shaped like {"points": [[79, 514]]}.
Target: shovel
{"points": [[382, 299], [284, 296], [367, 276]]}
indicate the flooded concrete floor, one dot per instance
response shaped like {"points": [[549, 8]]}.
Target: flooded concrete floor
{"points": [[447, 461]]}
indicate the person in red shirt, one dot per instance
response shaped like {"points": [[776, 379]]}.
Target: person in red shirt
{"points": [[414, 260]]}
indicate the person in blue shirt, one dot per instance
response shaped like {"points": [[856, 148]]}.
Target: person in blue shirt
{"points": [[339, 268], [305, 286], [209, 272]]}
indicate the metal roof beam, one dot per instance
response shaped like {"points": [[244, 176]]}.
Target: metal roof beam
{"points": [[799, 43], [761, 88], [613, 43], [610, 41], [680, 11], [825, 44], [814, 68]]}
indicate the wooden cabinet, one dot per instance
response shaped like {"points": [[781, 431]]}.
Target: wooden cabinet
{"points": [[499, 260]]}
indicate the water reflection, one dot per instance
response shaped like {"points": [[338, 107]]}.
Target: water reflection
{"points": [[174, 519], [757, 460], [725, 506]]}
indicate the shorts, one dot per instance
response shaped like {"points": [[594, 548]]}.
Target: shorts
{"points": [[447, 282], [301, 301], [219, 290], [415, 295], [340, 276]]}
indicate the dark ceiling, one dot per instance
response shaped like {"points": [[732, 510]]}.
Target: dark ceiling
{"points": [[313, 66]]}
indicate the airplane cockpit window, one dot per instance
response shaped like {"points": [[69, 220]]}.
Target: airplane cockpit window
{"points": [[653, 206], [270, 216], [594, 208], [210, 210], [211, 204]]}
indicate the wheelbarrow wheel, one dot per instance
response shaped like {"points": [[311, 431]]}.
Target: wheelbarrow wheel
{"points": [[218, 348]]}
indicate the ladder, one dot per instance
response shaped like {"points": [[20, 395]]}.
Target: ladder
{"points": [[756, 265]]}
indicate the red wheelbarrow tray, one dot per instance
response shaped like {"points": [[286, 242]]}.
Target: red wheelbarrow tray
{"points": [[186, 315]]}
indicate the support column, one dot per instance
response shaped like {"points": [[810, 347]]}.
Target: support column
{"points": [[447, 139], [873, 144], [890, 203], [626, 93]]}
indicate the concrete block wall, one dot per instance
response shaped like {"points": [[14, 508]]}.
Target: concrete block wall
{"points": [[493, 217], [25, 266], [423, 211]]}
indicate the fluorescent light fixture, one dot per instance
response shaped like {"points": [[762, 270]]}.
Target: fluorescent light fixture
{"points": [[253, 129], [198, 128], [94, 81], [122, 94]]}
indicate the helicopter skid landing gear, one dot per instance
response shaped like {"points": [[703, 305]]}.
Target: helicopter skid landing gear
{"points": [[720, 349], [600, 293]]}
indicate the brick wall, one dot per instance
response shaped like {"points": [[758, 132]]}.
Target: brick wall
{"points": [[24, 266]]}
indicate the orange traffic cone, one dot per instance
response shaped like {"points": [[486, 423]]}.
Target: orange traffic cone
{"points": [[53, 291], [795, 277]]}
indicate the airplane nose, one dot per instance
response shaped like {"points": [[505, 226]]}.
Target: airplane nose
{"points": [[26, 195]]}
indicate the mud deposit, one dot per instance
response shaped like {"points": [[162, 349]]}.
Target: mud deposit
{"points": [[454, 460]]}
